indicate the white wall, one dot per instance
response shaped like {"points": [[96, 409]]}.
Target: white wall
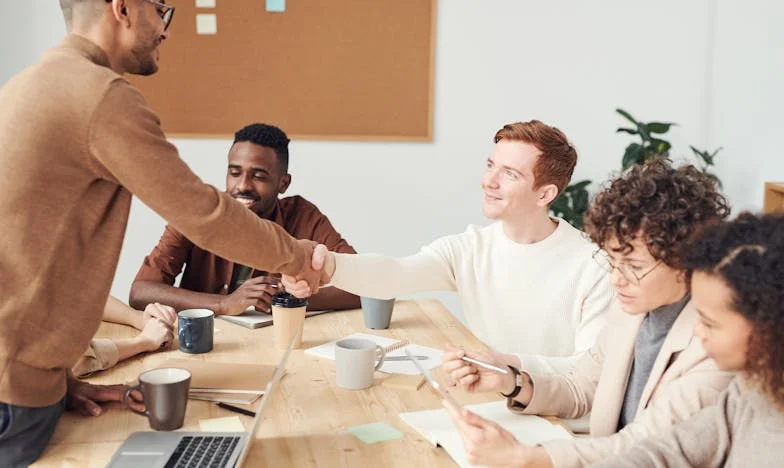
{"points": [[712, 66]]}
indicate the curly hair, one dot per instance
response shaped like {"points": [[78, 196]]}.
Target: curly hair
{"points": [[269, 136], [748, 254], [662, 205]]}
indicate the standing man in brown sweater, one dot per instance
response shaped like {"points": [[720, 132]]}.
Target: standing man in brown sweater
{"points": [[77, 141]]}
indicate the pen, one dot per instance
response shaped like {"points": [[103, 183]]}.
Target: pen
{"points": [[235, 409], [485, 365]]}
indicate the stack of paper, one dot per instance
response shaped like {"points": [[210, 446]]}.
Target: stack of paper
{"points": [[437, 427], [398, 364], [224, 381]]}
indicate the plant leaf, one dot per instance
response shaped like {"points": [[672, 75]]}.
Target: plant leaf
{"points": [[660, 147], [633, 155], [630, 131], [628, 117], [658, 127]]}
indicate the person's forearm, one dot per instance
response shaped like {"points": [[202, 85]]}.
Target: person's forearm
{"points": [[118, 312], [387, 277], [333, 299], [130, 347], [147, 292]]}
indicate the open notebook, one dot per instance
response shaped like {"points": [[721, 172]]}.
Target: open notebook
{"points": [[437, 427]]}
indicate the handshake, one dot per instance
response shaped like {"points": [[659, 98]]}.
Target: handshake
{"points": [[313, 274]]}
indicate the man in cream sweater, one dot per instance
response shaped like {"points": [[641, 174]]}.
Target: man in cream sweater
{"points": [[528, 283]]}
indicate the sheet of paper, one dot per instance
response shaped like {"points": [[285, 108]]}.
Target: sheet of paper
{"points": [[376, 432], [437, 427], [433, 360], [206, 24], [227, 424], [205, 3], [277, 6]]}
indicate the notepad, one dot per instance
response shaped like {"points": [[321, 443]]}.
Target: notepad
{"points": [[404, 366], [436, 426], [225, 397], [254, 319], [227, 424], [375, 432]]}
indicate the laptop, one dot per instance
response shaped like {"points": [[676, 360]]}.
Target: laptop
{"points": [[184, 449]]}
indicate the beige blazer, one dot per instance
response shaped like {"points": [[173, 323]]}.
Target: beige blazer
{"points": [[683, 380]]}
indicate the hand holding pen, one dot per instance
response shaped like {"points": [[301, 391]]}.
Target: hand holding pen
{"points": [[476, 372]]}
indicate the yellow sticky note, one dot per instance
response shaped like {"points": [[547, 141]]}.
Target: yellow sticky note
{"points": [[228, 424]]}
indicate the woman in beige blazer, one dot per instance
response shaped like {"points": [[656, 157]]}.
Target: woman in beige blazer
{"points": [[647, 370], [738, 287]]}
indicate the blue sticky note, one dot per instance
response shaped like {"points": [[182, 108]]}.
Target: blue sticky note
{"points": [[376, 432], [278, 6]]}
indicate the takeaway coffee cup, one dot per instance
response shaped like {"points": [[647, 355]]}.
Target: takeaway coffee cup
{"points": [[288, 319], [355, 363], [165, 393], [195, 329]]}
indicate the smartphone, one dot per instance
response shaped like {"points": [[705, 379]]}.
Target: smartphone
{"points": [[431, 381]]}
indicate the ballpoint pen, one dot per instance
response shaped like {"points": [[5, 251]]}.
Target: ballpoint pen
{"points": [[235, 409], [485, 365]]}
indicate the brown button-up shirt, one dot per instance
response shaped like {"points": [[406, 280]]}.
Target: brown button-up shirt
{"points": [[209, 273]]}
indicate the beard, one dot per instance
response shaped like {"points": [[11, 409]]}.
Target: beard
{"points": [[146, 64], [144, 50]]}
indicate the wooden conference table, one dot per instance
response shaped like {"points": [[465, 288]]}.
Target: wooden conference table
{"points": [[308, 422]]}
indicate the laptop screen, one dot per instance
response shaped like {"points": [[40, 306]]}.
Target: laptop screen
{"points": [[265, 401]]}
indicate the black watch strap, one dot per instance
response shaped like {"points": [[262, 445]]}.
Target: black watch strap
{"points": [[518, 383]]}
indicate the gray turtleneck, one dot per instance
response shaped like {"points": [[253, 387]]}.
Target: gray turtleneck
{"points": [[650, 338]]}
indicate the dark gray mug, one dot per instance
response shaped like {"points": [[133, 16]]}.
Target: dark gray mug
{"points": [[194, 330], [165, 393], [377, 312]]}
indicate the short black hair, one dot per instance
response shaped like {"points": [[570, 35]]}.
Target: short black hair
{"points": [[748, 254], [269, 136]]}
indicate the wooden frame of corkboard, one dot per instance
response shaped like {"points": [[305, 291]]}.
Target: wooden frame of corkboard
{"points": [[323, 69]]}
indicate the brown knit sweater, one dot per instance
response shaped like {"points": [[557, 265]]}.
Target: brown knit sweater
{"points": [[76, 140]]}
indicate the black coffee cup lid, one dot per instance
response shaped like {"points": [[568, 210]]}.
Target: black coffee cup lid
{"points": [[284, 299]]}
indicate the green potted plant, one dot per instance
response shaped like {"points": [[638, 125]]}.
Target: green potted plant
{"points": [[573, 202]]}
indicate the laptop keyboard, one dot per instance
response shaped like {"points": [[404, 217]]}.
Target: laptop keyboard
{"points": [[196, 451]]}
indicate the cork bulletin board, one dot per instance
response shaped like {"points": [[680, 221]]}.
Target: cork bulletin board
{"points": [[319, 69]]}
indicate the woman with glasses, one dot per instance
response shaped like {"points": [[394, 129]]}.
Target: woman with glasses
{"points": [[647, 370], [738, 289]]}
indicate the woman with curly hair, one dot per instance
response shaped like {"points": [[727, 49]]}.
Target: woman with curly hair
{"points": [[738, 290], [647, 370]]}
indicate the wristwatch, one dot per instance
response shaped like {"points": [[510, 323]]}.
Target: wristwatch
{"points": [[518, 383]]}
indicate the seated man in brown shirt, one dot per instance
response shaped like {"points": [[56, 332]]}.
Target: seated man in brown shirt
{"points": [[257, 174]]}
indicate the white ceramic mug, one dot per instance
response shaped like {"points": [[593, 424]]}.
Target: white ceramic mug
{"points": [[355, 362]]}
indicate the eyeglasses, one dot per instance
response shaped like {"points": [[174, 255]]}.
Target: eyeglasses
{"points": [[626, 270], [165, 11]]}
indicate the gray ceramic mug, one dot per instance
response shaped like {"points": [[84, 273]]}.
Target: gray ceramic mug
{"points": [[377, 312], [355, 363], [195, 329], [165, 393]]}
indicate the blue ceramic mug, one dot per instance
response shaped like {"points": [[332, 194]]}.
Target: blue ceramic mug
{"points": [[194, 330]]}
